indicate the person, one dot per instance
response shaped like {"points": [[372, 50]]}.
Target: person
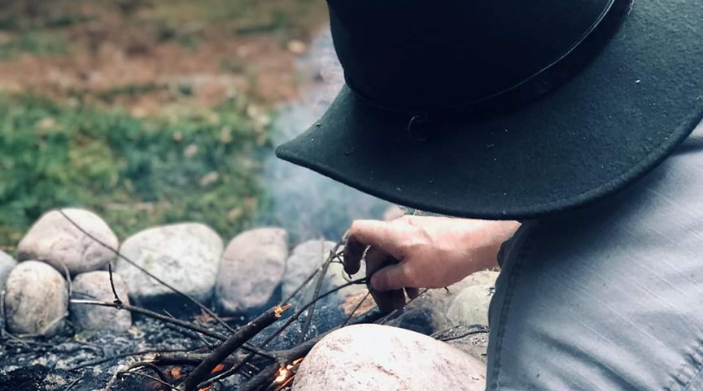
{"points": [[560, 137]]}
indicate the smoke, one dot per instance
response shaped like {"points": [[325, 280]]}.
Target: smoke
{"points": [[306, 203]]}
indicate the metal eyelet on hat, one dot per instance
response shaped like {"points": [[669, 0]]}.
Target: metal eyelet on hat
{"points": [[413, 132]]}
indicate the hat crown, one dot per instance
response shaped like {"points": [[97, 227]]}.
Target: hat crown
{"points": [[426, 55]]}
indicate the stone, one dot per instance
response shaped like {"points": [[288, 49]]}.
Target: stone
{"points": [[96, 286], [36, 301], [304, 259], [185, 256], [471, 305], [475, 345], [251, 271], [372, 357], [7, 263], [424, 320], [55, 240], [441, 299]]}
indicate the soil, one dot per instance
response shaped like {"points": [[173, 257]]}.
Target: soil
{"points": [[145, 64]]}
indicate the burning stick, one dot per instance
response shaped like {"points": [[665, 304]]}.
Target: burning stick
{"points": [[233, 343]]}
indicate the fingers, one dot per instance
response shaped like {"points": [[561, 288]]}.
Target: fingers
{"points": [[389, 300], [353, 252], [392, 277], [412, 293], [364, 233], [381, 234]]}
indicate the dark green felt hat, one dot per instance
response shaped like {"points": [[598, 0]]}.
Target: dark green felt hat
{"points": [[507, 108]]}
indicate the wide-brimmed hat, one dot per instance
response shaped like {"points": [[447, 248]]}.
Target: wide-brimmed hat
{"points": [[506, 109]]}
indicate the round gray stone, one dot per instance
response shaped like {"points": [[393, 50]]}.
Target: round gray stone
{"points": [[96, 286], [36, 301], [7, 263], [185, 256], [55, 240], [251, 270], [373, 357], [471, 305]]}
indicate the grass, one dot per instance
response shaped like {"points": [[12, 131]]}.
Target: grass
{"points": [[38, 43], [135, 173]]}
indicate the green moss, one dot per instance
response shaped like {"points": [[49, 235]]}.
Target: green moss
{"points": [[135, 173]]}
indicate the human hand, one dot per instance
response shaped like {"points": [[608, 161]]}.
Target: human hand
{"points": [[414, 252]]}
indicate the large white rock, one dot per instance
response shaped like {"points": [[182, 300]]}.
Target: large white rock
{"points": [[251, 270], [96, 286], [471, 305], [373, 357], [36, 301], [7, 263], [184, 255], [55, 240]]}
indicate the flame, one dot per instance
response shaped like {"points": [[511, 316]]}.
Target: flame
{"points": [[282, 375], [218, 368], [208, 388], [285, 372], [175, 372], [279, 310]]}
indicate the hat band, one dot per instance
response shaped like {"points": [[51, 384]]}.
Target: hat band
{"points": [[563, 69]]}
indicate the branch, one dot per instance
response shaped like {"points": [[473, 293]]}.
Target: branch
{"points": [[162, 282], [263, 379], [167, 319], [112, 285], [288, 322], [320, 280], [233, 343]]}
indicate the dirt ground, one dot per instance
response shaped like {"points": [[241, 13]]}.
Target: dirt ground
{"points": [[148, 56]]}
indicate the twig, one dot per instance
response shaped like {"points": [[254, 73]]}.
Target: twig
{"points": [[233, 343], [480, 329], [140, 364], [151, 314], [320, 281], [393, 314], [263, 379], [162, 282], [167, 319], [123, 355], [300, 287], [275, 334], [112, 285], [351, 315]]}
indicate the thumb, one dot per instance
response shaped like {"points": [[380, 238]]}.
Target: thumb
{"points": [[392, 277]]}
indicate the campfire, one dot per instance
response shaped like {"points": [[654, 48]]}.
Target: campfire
{"points": [[197, 351]]}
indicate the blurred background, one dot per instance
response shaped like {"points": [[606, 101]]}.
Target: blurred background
{"points": [[151, 112]]}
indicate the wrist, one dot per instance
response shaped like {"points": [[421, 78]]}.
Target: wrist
{"points": [[496, 233]]}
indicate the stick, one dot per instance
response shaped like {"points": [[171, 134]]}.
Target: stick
{"points": [[351, 315], [162, 378], [263, 379], [123, 355], [151, 314], [479, 329], [112, 284], [318, 287], [288, 322], [162, 282], [233, 343]]}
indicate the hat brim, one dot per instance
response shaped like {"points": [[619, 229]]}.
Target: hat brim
{"points": [[615, 121]]}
